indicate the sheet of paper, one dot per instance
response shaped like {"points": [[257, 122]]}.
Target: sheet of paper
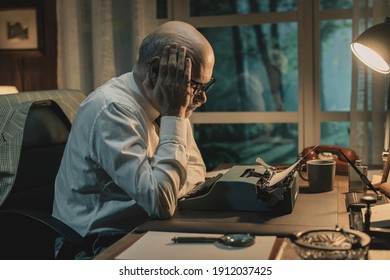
{"points": [[281, 175], [155, 245]]}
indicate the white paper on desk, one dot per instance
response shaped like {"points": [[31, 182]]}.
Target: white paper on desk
{"points": [[283, 174], [155, 245]]}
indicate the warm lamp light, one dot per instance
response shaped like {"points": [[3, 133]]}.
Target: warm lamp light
{"points": [[8, 89], [372, 47]]}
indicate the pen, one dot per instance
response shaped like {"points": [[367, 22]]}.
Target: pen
{"points": [[233, 239], [195, 239]]}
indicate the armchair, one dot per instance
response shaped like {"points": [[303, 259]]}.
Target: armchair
{"points": [[33, 134]]}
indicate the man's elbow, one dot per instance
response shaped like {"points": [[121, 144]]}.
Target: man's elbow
{"points": [[165, 202], [166, 215]]}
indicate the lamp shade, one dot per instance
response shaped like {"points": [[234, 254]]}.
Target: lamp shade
{"points": [[372, 47]]}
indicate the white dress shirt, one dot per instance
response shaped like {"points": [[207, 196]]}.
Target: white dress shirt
{"points": [[116, 166]]}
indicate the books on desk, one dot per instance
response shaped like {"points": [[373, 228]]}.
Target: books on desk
{"points": [[155, 245]]}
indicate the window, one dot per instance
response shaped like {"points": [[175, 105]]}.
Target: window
{"points": [[283, 71]]}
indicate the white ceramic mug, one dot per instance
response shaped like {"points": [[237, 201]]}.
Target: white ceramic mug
{"points": [[320, 173]]}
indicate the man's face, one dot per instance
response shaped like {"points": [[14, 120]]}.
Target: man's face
{"points": [[180, 72], [201, 82]]}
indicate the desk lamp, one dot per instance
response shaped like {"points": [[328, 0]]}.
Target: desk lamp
{"points": [[372, 47]]}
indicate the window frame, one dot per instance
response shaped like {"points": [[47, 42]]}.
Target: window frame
{"points": [[308, 17]]}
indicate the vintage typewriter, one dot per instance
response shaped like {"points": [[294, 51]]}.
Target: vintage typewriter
{"points": [[245, 188]]}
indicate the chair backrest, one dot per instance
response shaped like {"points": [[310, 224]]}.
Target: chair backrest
{"points": [[45, 134], [34, 128]]}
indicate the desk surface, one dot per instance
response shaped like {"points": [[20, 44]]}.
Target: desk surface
{"points": [[191, 221]]}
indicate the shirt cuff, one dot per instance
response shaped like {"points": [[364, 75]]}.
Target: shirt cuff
{"points": [[173, 129]]}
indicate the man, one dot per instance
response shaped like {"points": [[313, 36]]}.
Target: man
{"points": [[119, 166]]}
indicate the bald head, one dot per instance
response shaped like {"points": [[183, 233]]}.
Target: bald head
{"points": [[184, 34]]}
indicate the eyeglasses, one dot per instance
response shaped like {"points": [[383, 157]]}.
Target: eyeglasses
{"points": [[199, 87]]}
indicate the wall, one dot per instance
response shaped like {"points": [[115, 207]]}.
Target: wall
{"points": [[33, 69]]}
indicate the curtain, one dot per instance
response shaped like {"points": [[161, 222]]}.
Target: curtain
{"points": [[97, 40], [369, 90]]}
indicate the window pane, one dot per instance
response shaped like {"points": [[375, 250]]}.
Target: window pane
{"points": [[335, 133], [229, 7], [363, 132], [336, 4], [243, 143], [364, 97], [162, 8], [336, 65], [256, 68]]}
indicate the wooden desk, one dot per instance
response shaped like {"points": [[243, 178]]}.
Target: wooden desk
{"points": [[282, 249]]}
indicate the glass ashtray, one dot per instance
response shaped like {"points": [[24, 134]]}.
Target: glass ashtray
{"points": [[331, 244]]}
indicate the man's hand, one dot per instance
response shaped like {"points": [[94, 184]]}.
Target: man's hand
{"points": [[172, 92]]}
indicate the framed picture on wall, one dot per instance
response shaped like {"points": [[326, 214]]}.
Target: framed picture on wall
{"points": [[21, 28]]}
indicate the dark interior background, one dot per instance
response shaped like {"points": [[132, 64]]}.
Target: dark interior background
{"points": [[33, 69]]}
